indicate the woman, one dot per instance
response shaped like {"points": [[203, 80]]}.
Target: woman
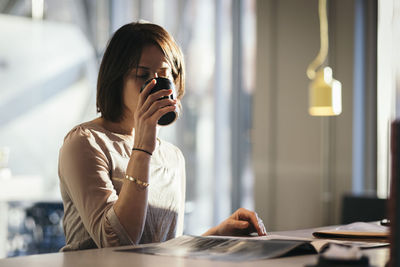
{"points": [[120, 184]]}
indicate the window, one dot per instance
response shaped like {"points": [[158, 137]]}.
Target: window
{"points": [[218, 40]]}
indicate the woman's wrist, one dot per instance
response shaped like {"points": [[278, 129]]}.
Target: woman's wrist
{"points": [[142, 150], [140, 156], [138, 162]]}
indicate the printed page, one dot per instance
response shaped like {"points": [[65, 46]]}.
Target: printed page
{"points": [[226, 249]]}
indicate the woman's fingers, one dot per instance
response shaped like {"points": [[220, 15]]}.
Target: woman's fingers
{"points": [[159, 108], [241, 224], [154, 105], [234, 227], [160, 112], [146, 91], [254, 220], [155, 97], [150, 107], [262, 226]]}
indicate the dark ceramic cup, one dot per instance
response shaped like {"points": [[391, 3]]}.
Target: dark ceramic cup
{"points": [[163, 83]]}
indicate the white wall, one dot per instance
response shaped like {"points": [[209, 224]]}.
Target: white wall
{"points": [[302, 164]]}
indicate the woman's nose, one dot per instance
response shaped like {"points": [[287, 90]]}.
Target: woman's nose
{"points": [[153, 75]]}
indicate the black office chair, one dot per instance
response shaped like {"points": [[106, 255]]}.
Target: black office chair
{"points": [[363, 209]]}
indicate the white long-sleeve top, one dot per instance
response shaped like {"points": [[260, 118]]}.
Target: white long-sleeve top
{"points": [[92, 164]]}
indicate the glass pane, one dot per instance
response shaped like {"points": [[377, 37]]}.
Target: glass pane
{"points": [[34, 122]]}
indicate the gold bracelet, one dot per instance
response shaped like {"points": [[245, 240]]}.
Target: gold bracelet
{"points": [[137, 181]]}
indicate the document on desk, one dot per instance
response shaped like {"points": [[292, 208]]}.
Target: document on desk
{"points": [[226, 249], [356, 231], [241, 248]]}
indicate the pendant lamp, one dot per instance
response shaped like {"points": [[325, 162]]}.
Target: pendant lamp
{"points": [[325, 93]]}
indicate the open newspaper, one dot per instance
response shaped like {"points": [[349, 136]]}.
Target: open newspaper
{"points": [[241, 248]]}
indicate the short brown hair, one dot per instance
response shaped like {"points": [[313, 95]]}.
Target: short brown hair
{"points": [[123, 54]]}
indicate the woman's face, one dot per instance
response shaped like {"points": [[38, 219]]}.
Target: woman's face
{"points": [[152, 64]]}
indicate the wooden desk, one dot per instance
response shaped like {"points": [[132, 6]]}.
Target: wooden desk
{"points": [[108, 257]]}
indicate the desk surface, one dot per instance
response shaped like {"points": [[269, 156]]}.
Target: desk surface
{"points": [[110, 257]]}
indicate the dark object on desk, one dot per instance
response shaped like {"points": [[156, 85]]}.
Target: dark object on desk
{"points": [[325, 262], [363, 209], [385, 222], [394, 203]]}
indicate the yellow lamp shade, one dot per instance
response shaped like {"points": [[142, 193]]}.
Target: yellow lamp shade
{"points": [[325, 94]]}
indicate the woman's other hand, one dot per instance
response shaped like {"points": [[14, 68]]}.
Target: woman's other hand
{"points": [[241, 222]]}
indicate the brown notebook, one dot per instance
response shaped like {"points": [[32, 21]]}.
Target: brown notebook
{"points": [[356, 231]]}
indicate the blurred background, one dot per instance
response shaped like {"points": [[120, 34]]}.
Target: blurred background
{"points": [[245, 131]]}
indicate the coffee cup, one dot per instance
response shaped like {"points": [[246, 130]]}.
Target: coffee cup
{"points": [[163, 83]]}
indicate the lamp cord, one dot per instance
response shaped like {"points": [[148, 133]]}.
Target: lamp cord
{"points": [[323, 51]]}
